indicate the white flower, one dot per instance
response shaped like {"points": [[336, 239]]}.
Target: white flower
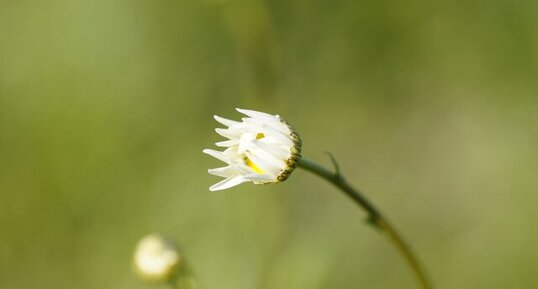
{"points": [[262, 149], [156, 258]]}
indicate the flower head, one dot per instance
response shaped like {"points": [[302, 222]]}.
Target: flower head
{"points": [[156, 258], [262, 149]]}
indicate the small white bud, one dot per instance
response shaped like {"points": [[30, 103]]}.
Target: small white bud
{"points": [[157, 259]]}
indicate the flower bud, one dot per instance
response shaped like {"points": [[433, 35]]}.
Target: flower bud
{"points": [[157, 259], [262, 149]]}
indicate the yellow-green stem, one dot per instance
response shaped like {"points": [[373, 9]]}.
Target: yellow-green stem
{"points": [[375, 217]]}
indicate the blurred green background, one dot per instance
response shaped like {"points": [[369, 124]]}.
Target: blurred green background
{"points": [[431, 108]]}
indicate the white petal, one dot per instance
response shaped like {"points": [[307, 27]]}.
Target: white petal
{"points": [[275, 124], [227, 143], [260, 178], [267, 157], [230, 133], [266, 167], [241, 167], [218, 155], [224, 172], [277, 151], [282, 138], [256, 114], [228, 183], [225, 121], [245, 141], [269, 133]]}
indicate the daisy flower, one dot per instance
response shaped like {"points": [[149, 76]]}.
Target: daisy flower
{"points": [[261, 148]]}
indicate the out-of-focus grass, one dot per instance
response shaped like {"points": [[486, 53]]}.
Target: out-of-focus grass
{"points": [[430, 107]]}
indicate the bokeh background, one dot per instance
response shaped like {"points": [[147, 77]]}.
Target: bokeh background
{"points": [[430, 107]]}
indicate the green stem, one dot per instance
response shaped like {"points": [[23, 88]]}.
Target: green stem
{"points": [[375, 217]]}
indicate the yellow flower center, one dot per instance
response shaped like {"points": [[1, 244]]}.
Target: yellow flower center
{"points": [[253, 166], [260, 135]]}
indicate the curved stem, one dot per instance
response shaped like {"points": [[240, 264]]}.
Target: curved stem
{"points": [[375, 217]]}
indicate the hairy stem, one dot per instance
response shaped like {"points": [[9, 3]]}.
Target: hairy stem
{"points": [[374, 216]]}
